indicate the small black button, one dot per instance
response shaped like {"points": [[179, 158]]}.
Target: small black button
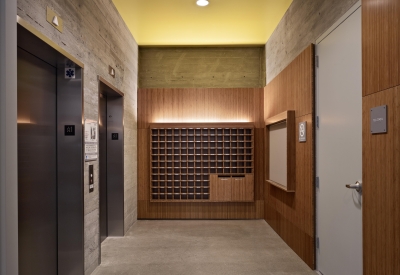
{"points": [[114, 136], [69, 130]]}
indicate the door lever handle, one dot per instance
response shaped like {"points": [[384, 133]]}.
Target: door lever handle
{"points": [[357, 186]]}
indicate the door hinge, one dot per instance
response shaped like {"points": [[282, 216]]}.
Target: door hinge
{"points": [[317, 242], [317, 182], [317, 61], [317, 121]]}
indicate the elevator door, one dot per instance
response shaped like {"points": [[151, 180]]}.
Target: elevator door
{"points": [[111, 161], [103, 166], [37, 171]]}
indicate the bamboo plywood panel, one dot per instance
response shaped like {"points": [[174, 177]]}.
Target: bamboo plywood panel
{"points": [[259, 164], [293, 88], [200, 105], [204, 210], [292, 215], [380, 45], [302, 243], [143, 164], [381, 187]]}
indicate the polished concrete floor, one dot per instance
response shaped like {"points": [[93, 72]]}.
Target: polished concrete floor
{"points": [[200, 247]]}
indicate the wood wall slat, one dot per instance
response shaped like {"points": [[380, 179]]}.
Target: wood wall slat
{"points": [[380, 45], [381, 187], [259, 164], [293, 88], [200, 210], [199, 105], [381, 173], [143, 163], [292, 215]]}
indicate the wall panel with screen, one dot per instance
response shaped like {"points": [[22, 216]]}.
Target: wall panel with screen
{"points": [[282, 152]]}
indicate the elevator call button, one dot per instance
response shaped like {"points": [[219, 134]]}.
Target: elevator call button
{"points": [[114, 136], [91, 179], [69, 130]]}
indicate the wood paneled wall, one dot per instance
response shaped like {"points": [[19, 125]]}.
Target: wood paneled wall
{"points": [[199, 105], [381, 159], [292, 215], [380, 45]]}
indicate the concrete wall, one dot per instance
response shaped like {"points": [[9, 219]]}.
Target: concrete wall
{"points": [[96, 35], [8, 140], [302, 24], [201, 67]]}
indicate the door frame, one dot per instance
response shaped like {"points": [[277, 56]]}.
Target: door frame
{"points": [[117, 200], [343, 18], [70, 197]]}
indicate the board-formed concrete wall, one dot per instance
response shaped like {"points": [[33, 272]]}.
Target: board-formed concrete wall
{"points": [[95, 33], [201, 67], [302, 24]]}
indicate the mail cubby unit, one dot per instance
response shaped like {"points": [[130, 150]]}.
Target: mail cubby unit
{"points": [[183, 156]]}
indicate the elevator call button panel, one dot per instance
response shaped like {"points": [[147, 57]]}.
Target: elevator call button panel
{"points": [[114, 136], [69, 130], [91, 179]]}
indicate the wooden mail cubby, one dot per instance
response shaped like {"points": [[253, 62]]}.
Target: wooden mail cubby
{"points": [[184, 158]]}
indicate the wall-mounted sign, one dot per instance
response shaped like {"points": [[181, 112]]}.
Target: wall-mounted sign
{"points": [[111, 71], [378, 120], [114, 136], [303, 131], [54, 19], [69, 73], [69, 130], [91, 134]]}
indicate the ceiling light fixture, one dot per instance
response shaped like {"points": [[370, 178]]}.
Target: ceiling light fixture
{"points": [[202, 3]]}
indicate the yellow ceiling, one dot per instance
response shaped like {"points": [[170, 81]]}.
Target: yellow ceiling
{"points": [[182, 22]]}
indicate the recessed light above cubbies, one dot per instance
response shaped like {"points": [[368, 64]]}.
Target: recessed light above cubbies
{"points": [[184, 157]]}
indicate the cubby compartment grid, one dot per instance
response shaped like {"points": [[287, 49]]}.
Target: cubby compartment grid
{"points": [[182, 159]]}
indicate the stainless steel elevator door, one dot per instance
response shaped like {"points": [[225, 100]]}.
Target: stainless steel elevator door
{"points": [[103, 166], [37, 169], [115, 166]]}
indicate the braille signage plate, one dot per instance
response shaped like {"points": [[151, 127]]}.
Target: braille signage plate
{"points": [[378, 119], [69, 130], [303, 131], [114, 136]]}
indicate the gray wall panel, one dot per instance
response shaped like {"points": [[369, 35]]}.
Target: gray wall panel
{"points": [[95, 34], [8, 140]]}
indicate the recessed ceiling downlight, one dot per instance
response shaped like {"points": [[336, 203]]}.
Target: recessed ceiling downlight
{"points": [[202, 3]]}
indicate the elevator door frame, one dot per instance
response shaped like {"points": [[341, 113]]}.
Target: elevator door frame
{"points": [[114, 172], [70, 199]]}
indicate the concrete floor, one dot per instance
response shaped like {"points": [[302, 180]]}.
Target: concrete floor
{"points": [[200, 247]]}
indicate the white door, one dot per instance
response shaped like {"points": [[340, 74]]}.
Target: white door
{"points": [[339, 147]]}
